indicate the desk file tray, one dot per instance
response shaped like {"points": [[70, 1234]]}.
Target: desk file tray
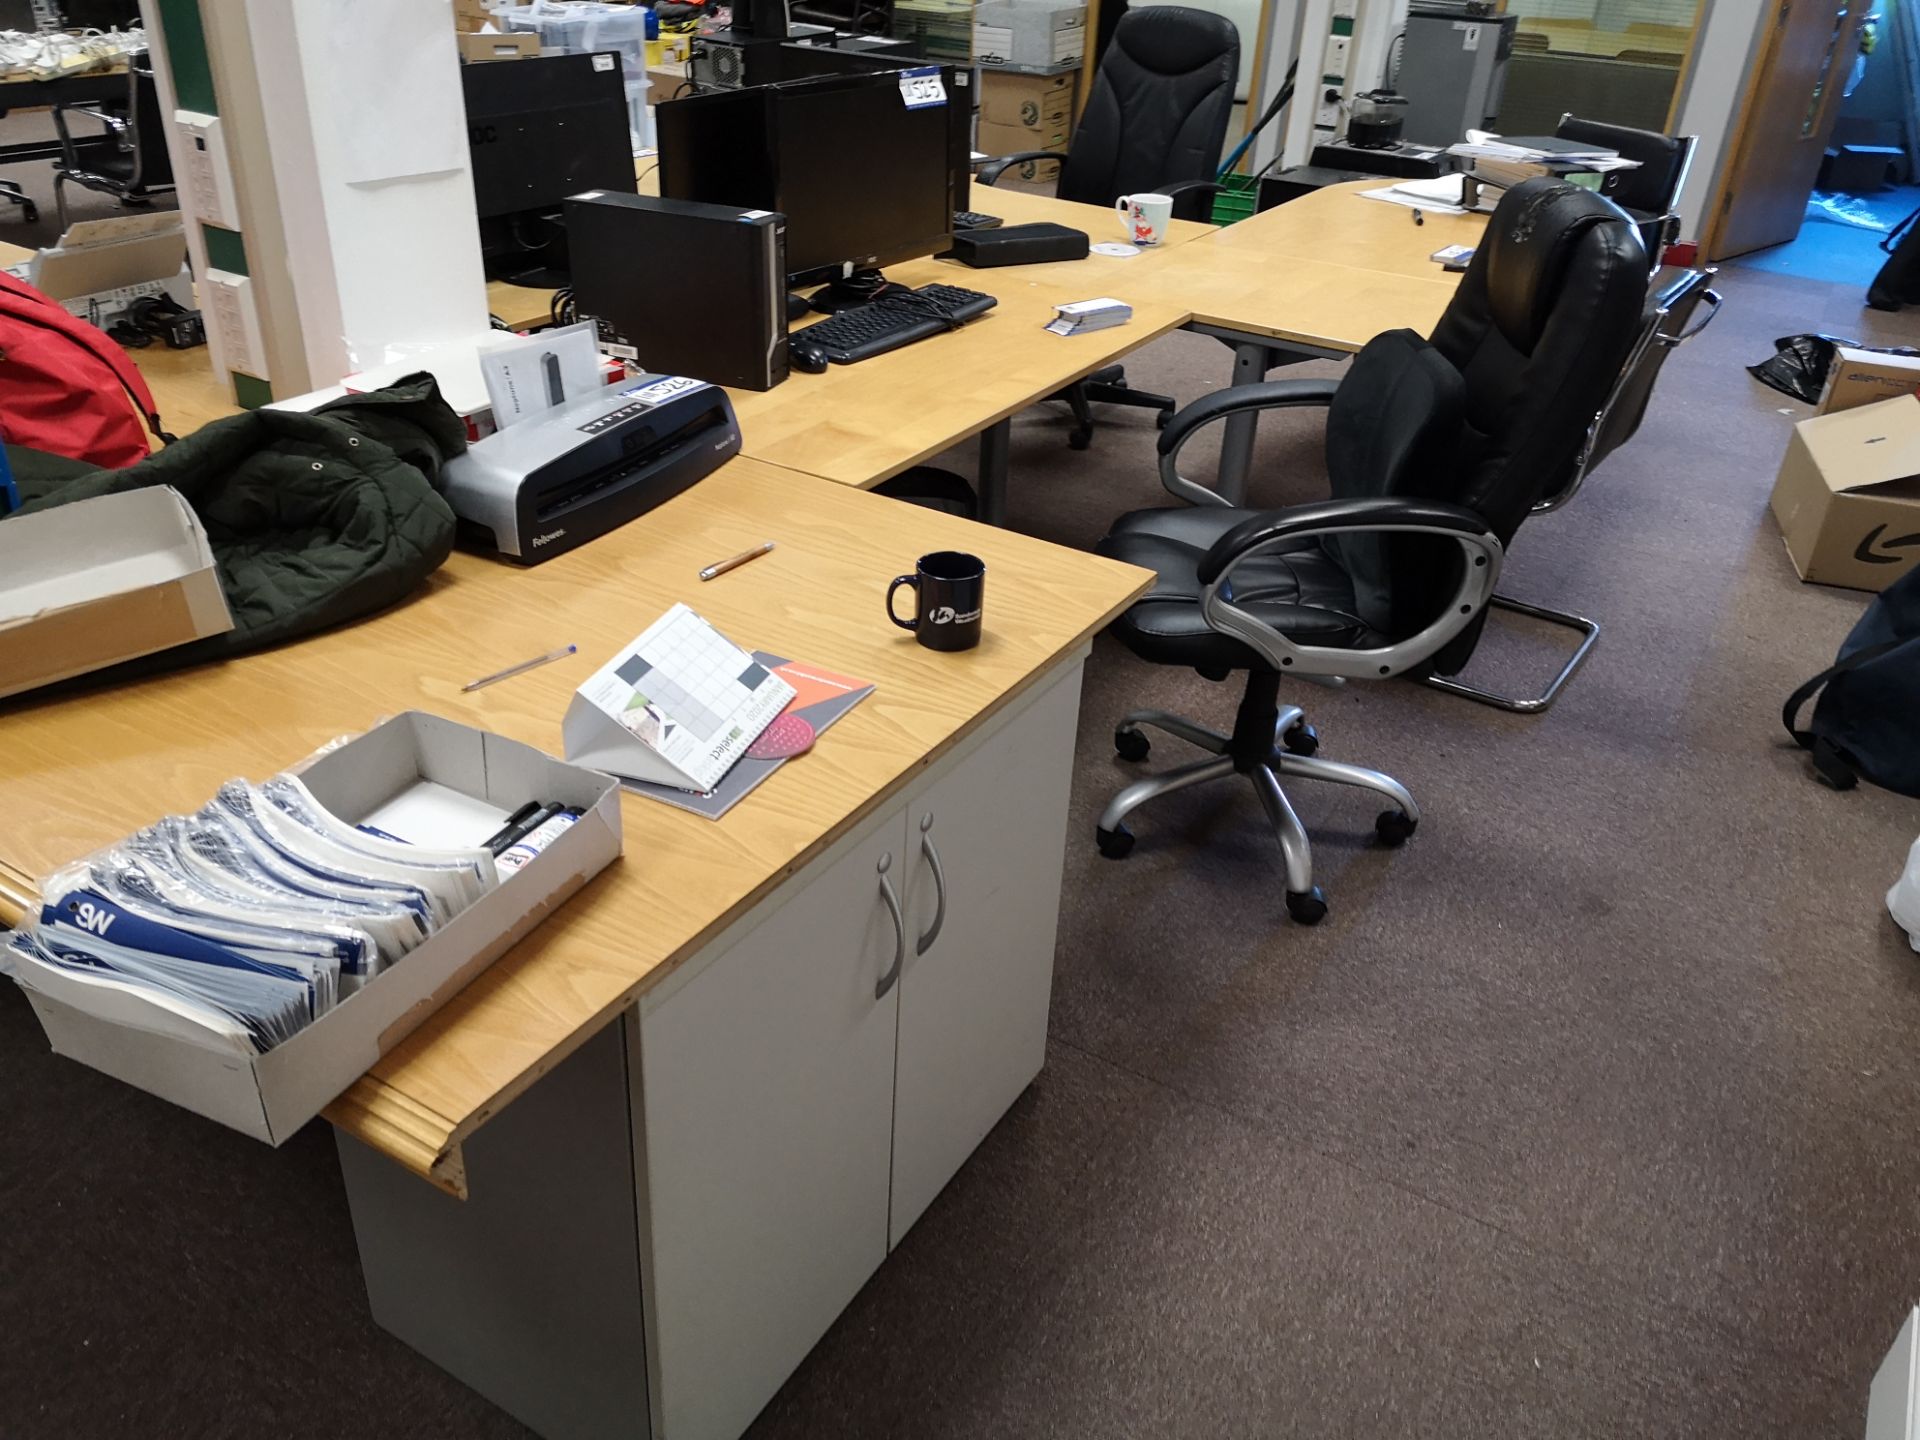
{"points": [[408, 767]]}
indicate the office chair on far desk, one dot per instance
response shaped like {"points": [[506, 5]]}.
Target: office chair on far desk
{"points": [[1155, 122], [136, 167], [1436, 453]]}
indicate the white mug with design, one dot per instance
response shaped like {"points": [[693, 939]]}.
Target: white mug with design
{"points": [[1146, 217]]}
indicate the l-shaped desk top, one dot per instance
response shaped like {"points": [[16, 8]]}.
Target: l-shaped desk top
{"points": [[83, 771], [86, 770]]}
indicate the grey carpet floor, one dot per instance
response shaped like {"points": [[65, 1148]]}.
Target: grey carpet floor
{"points": [[1589, 1113], [36, 178]]}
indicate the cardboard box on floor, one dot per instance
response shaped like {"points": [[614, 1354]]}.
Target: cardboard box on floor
{"points": [[1860, 377], [411, 760], [1848, 495], [1032, 102], [94, 582]]}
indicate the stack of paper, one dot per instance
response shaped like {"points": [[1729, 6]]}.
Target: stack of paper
{"points": [[1080, 316], [249, 920], [1507, 162], [1440, 195]]}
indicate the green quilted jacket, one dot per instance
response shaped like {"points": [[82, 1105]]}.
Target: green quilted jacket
{"points": [[314, 519]]}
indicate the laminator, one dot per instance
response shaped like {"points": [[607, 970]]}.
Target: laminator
{"points": [[570, 474]]}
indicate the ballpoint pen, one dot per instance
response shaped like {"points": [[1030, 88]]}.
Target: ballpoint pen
{"points": [[721, 567], [521, 668]]}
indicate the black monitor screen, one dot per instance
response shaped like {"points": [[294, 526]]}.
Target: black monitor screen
{"points": [[863, 179], [544, 128]]}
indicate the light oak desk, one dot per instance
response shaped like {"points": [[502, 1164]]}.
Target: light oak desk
{"points": [[806, 1063], [863, 424], [736, 1077], [1312, 279]]}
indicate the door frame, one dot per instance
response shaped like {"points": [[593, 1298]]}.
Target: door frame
{"points": [[1720, 197]]}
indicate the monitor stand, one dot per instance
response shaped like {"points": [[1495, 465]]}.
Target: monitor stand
{"points": [[855, 289]]}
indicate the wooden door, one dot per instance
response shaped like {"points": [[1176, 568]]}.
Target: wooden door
{"points": [[765, 1140], [973, 1003], [1792, 101]]}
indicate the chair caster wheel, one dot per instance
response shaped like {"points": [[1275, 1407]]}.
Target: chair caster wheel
{"points": [[1394, 827], [1307, 907], [1300, 739], [1080, 437], [1130, 745], [30, 213], [1117, 843], [1162, 419]]}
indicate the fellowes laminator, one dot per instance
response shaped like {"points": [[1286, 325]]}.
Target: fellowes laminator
{"points": [[539, 488]]}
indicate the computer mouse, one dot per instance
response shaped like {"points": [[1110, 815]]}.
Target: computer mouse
{"points": [[808, 356]]}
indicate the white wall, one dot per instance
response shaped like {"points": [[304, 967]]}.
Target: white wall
{"points": [[1728, 48]]}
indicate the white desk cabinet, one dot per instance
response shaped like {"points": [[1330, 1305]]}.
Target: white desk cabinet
{"points": [[780, 1111]]}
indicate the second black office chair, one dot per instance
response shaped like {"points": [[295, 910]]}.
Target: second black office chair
{"points": [[1155, 121], [136, 166], [1435, 453]]}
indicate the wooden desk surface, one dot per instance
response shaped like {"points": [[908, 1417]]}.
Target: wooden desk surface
{"points": [[84, 771], [1338, 225], [862, 424], [1332, 270]]}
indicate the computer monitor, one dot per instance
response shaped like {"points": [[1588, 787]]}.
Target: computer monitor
{"points": [[863, 179], [539, 130], [867, 55]]}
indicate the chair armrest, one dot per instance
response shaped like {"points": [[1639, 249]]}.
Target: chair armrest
{"points": [[1481, 556], [1190, 196], [989, 173], [1268, 395]]}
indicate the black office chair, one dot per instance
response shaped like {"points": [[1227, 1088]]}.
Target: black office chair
{"points": [[1436, 453], [1155, 122], [1673, 299], [1649, 193], [136, 167]]}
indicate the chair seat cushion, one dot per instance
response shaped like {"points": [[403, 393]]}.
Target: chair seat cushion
{"points": [[1301, 592]]}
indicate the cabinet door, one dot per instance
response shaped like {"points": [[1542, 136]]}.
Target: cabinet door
{"points": [[766, 1107], [973, 1004]]}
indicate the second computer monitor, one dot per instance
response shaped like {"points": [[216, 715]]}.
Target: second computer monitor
{"points": [[862, 174]]}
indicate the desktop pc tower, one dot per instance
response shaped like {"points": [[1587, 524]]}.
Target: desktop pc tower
{"points": [[681, 287]]}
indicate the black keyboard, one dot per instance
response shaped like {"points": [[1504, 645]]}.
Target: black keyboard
{"points": [[974, 220], [862, 331]]}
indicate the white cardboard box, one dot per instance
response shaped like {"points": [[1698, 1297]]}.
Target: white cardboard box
{"points": [[94, 582], [272, 1095], [1860, 377], [1848, 495]]}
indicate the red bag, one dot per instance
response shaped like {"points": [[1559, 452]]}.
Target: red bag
{"points": [[65, 386]]}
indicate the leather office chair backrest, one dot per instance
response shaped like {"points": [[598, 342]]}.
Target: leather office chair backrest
{"points": [[1539, 330], [1492, 413], [1653, 188], [1667, 322], [1158, 111]]}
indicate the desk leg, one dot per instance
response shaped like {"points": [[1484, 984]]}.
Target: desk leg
{"points": [[529, 1291], [1250, 365], [996, 441]]}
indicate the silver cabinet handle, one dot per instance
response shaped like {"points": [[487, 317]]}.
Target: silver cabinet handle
{"points": [[939, 885], [899, 929]]}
